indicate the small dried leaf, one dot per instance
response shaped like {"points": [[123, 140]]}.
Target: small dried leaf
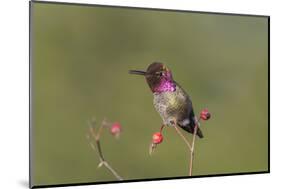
{"points": [[152, 147], [100, 164]]}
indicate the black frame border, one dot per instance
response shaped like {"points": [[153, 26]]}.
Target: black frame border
{"points": [[148, 179]]}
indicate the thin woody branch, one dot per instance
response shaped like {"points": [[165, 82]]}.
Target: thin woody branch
{"points": [[205, 115], [187, 143], [156, 139], [97, 147], [183, 138], [192, 148]]}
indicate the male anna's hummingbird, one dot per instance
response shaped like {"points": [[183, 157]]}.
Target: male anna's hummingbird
{"points": [[170, 100]]}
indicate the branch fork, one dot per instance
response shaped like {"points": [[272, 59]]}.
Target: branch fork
{"points": [[191, 147], [204, 115], [94, 141]]}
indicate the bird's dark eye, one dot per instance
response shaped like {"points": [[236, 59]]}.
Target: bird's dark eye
{"points": [[160, 74]]}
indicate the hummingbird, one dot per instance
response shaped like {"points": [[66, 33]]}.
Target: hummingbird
{"points": [[169, 98]]}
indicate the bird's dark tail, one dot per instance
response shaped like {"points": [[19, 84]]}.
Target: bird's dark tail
{"points": [[190, 129], [189, 125], [199, 133]]}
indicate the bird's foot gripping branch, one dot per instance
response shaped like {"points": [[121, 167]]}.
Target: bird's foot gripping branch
{"points": [[157, 138]]}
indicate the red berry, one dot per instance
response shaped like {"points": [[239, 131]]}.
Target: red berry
{"points": [[205, 114], [157, 138], [115, 129]]}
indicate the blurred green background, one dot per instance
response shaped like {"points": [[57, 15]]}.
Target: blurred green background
{"points": [[80, 61]]}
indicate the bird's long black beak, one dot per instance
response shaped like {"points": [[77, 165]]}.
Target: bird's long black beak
{"points": [[137, 72]]}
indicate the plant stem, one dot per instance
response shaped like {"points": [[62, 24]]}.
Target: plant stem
{"points": [[190, 147], [161, 129], [181, 135], [184, 139], [112, 170], [192, 151], [193, 147], [98, 149]]}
